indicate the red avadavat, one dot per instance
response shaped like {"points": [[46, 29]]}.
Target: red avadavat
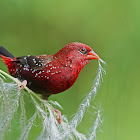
{"points": [[50, 74]]}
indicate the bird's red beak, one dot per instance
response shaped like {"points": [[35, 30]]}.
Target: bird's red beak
{"points": [[92, 55]]}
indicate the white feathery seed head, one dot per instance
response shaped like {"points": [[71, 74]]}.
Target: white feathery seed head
{"points": [[11, 99]]}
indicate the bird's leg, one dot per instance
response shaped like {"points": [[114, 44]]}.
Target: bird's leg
{"points": [[58, 115], [23, 84]]}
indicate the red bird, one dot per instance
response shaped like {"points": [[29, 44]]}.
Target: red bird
{"points": [[50, 74]]}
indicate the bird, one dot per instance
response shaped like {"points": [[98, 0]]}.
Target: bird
{"points": [[49, 74]]}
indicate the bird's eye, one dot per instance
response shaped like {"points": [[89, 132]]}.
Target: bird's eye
{"points": [[83, 50]]}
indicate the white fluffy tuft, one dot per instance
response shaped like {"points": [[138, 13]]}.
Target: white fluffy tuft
{"points": [[11, 99]]}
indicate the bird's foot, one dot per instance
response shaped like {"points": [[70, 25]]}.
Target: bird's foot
{"points": [[23, 84], [58, 118]]}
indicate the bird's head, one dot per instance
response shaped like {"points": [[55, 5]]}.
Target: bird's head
{"points": [[76, 53]]}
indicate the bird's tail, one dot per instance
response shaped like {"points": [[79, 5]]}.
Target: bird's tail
{"points": [[6, 56], [4, 52], [8, 59]]}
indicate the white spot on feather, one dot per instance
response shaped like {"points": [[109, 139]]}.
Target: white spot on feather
{"points": [[40, 72], [48, 71], [33, 71]]}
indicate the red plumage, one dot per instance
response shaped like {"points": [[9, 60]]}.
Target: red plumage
{"points": [[50, 74]]}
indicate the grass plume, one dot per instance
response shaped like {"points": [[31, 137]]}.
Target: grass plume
{"points": [[11, 99]]}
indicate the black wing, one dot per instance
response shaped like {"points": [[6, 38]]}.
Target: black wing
{"points": [[34, 62]]}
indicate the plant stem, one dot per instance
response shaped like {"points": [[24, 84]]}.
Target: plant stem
{"points": [[19, 83], [27, 89]]}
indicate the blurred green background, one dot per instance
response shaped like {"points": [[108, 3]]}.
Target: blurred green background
{"points": [[111, 28]]}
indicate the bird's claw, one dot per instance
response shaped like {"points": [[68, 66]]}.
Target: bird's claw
{"points": [[23, 84], [58, 118]]}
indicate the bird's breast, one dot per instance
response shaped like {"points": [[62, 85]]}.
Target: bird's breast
{"points": [[61, 77]]}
